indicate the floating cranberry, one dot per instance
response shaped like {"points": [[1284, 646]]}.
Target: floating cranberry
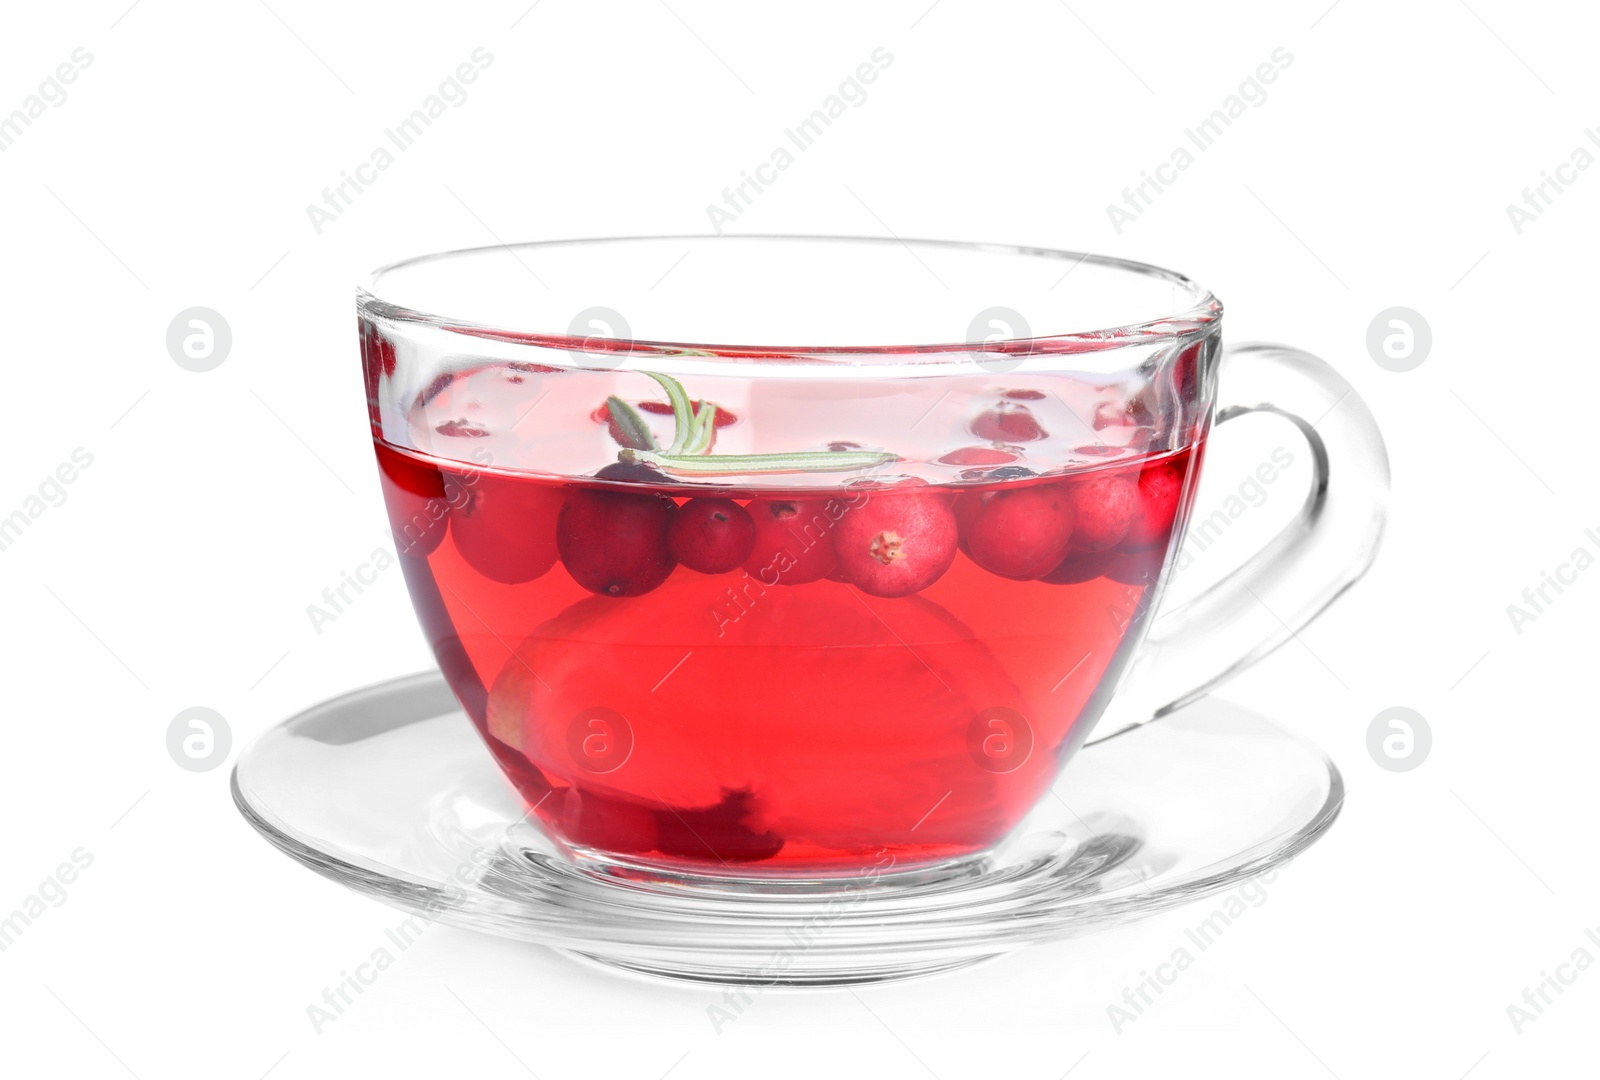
{"points": [[979, 455], [1007, 422], [1128, 567], [898, 542], [884, 482], [712, 536], [505, 528], [1011, 472], [414, 495], [794, 540], [614, 543], [1122, 412], [967, 507], [1103, 504], [1025, 395], [462, 429], [1160, 488], [635, 472], [1018, 534]]}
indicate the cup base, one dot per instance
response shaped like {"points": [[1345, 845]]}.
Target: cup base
{"points": [[718, 975], [389, 791]]}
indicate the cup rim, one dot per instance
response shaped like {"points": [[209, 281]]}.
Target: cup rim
{"points": [[1203, 310]]}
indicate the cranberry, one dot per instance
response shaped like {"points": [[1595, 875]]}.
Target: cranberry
{"points": [[505, 529], [884, 482], [462, 429], [614, 543], [1104, 504], [1007, 422], [1160, 487], [1018, 534], [1129, 568], [898, 542], [1011, 472], [794, 540], [979, 455], [414, 495], [1122, 412], [636, 472], [712, 536], [1025, 395]]}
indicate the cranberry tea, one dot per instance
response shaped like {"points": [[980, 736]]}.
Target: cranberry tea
{"points": [[694, 639]]}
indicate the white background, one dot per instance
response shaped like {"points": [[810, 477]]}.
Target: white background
{"points": [[219, 505]]}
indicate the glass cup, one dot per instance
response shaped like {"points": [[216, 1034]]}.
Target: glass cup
{"points": [[810, 558]]}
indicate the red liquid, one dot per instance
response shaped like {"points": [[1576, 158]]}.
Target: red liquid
{"points": [[739, 720]]}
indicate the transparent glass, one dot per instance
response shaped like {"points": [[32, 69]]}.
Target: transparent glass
{"points": [[388, 792], [808, 558]]}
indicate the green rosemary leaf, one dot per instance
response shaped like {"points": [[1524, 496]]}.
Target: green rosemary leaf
{"points": [[682, 413], [635, 432], [701, 428]]}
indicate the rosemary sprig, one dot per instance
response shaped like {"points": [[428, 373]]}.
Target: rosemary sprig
{"points": [[694, 428], [736, 464]]}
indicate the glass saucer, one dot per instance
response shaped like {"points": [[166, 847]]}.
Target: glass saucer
{"points": [[389, 791]]}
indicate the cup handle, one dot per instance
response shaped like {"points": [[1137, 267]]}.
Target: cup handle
{"points": [[1330, 543]]}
